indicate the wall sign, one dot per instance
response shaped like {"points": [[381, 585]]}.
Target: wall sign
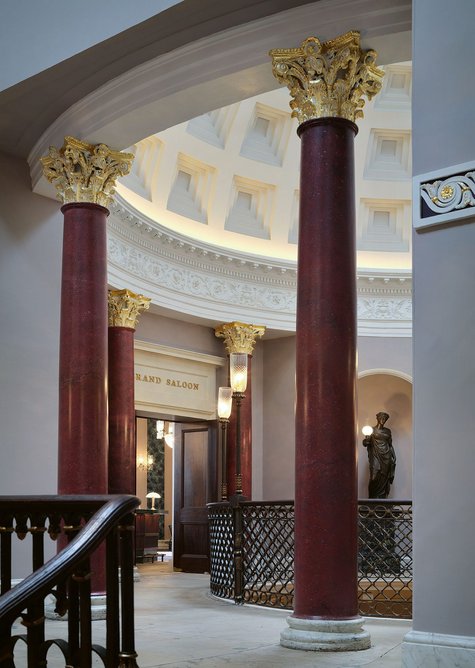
{"points": [[174, 381]]}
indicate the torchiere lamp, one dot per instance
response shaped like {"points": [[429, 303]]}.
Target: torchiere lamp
{"points": [[238, 376], [225, 401]]}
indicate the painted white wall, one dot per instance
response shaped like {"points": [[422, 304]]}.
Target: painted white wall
{"points": [[178, 334], [393, 395], [30, 272], [257, 421], [37, 35], [444, 320], [376, 352]]}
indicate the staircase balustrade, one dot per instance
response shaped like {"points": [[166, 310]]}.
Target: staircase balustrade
{"points": [[85, 522]]}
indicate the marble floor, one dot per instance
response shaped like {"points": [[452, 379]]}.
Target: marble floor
{"points": [[180, 625]]}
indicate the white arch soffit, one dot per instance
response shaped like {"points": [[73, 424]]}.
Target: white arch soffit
{"points": [[386, 372], [216, 71]]}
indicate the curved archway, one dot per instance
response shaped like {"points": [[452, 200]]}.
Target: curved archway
{"points": [[194, 77], [387, 372]]}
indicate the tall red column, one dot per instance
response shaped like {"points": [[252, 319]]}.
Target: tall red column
{"points": [[124, 307], [84, 177], [82, 455], [240, 338], [327, 81]]}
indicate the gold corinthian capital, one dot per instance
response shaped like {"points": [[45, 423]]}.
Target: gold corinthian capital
{"points": [[124, 308], [82, 172], [239, 337], [329, 78]]}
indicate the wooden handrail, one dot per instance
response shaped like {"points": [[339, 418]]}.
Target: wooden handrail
{"points": [[39, 583], [86, 521]]}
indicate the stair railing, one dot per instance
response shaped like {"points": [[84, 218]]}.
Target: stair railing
{"points": [[86, 522]]}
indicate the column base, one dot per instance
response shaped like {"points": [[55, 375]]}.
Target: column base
{"points": [[325, 635], [423, 650]]}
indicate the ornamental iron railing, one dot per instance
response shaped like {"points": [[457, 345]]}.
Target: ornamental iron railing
{"points": [[82, 523], [252, 555]]}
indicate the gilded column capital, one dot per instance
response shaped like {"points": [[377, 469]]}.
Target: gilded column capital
{"points": [[124, 308], [329, 78], [239, 337], [83, 172]]}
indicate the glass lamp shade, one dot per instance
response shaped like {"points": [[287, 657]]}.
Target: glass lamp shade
{"points": [[367, 430], [225, 401], [238, 371]]}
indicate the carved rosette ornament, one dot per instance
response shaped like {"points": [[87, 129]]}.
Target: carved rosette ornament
{"points": [[82, 172], [124, 308], [239, 337], [328, 79]]}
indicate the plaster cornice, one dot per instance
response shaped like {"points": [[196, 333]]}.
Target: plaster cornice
{"points": [[217, 284]]}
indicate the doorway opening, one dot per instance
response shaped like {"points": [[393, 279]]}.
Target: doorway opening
{"points": [[154, 487], [176, 476]]}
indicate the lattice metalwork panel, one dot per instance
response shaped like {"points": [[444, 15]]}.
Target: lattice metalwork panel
{"points": [[385, 559], [221, 535], [268, 554]]}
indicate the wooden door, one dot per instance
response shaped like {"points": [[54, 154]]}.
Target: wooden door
{"points": [[196, 484]]}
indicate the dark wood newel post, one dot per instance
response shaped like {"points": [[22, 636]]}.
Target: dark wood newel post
{"points": [[327, 82]]}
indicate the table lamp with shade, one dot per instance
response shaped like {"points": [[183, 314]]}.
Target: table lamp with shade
{"points": [[153, 496]]}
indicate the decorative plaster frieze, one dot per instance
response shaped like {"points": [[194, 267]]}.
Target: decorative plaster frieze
{"points": [[213, 284], [444, 196]]}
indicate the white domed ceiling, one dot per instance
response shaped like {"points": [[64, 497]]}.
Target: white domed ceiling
{"points": [[211, 212]]}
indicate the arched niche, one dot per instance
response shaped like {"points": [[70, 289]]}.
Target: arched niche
{"points": [[389, 391]]}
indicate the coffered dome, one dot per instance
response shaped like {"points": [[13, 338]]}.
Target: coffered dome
{"points": [[217, 196]]}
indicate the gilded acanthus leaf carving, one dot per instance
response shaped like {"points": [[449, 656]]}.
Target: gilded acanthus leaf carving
{"points": [[82, 172], [239, 337], [329, 78], [124, 308]]}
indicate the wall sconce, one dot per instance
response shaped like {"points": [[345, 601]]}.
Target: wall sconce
{"points": [[170, 436], [225, 402], [153, 496], [238, 376], [160, 428], [143, 465], [238, 372]]}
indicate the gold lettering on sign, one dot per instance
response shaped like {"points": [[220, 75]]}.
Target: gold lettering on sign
{"points": [[188, 385], [148, 379], [184, 384]]}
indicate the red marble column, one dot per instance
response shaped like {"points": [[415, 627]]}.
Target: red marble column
{"points": [[121, 411], [240, 337], [82, 457], [326, 483], [246, 441], [327, 83], [123, 313], [84, 176], [83, 429]]}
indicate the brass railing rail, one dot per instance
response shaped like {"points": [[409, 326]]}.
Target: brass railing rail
{"points": [[252, 554], [85, 522]]}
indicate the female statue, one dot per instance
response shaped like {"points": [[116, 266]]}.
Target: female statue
{"points": [[381, 457]]}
